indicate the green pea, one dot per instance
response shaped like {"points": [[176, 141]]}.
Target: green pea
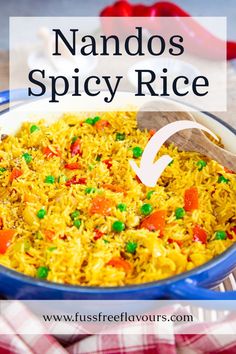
{"points": [[89, 121], [179, 213], [41, 213], [49, 179], [137, 151], [90, 190], [98, 158], [2, 169], [118, 226], [149, 194], [34, 128], [146, 209], [51, 249], [96, 119], [28, 158], [220, 235], [73, 140], [201, 164], [120, 136], [77, 223], [222, 179], [42, 272], [131, 247], [74, 215], [121, 206]]}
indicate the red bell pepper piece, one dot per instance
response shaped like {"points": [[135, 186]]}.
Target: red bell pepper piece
{"points": [[114, 188], [5, 239], [151, 132], [199, 234], [179, 242], [155, 221], [108, 163], [228, 171], [229, 234], [234, 229], [191, 199], [82, 180], [101, 124], [75, 148], [49, 153], [72, 166], [74, 180], [138, 179], [101, 205], [118, 262], [98, 234], [15, 174], [49, 234]]}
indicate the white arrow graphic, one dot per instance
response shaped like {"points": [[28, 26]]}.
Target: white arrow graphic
{"points": [[149, 172]]}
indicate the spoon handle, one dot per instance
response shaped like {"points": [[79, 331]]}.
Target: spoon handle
{"points": [[203, 145]]}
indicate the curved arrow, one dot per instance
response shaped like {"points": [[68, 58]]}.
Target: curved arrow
{"points": [[149, 172]]}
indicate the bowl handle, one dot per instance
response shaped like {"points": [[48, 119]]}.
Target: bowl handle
{"points": [[189, 290], [16, 95]]}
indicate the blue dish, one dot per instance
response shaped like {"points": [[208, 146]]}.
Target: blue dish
{"points": [[191, 285]]}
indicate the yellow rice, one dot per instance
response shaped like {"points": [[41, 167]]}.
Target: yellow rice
{"points": [[72, 255]]}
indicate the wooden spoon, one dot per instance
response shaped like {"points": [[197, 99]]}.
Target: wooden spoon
{"points": [[150, 117]]}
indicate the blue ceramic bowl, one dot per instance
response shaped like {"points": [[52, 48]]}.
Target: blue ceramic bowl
{"points": [[193, 285]]}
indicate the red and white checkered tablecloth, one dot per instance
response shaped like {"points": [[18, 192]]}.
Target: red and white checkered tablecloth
{"points": [[14, 343]]}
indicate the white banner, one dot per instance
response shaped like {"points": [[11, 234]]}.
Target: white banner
{"points": [[92, 60], [129, 317]]}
